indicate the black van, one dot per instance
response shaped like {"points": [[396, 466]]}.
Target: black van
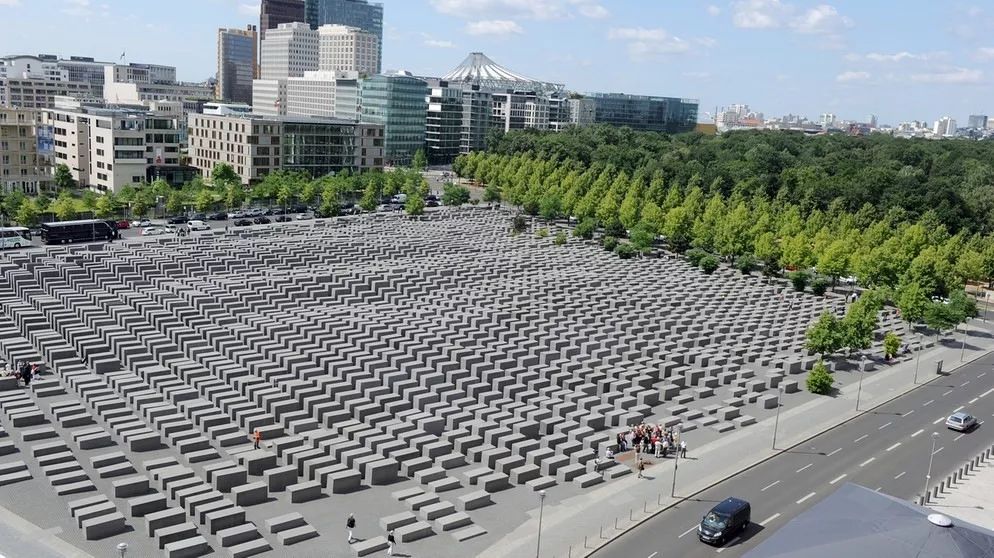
{"points": [[728, 518]]}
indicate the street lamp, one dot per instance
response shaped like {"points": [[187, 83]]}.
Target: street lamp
{"points": [[122, 548], [676, 460], [962, 347], [776, 424], [862, 369], [928, 476], [541, 509], [921, 348]]}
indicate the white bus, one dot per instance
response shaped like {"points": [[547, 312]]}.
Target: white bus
{"points": [[14, 237]]}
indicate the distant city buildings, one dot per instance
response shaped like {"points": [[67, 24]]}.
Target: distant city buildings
{"points": [[289, 50], [640, 112], [944, 127], [352, 13], [396, 101], [24, 144], [237, 63], [977, 122], [347, 49], [273, 13]]}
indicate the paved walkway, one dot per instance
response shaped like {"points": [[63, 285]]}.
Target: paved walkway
{"points": [[577, 526], [970, 499]]}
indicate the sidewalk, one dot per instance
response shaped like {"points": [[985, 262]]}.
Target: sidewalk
{"points": [[578, 526]]}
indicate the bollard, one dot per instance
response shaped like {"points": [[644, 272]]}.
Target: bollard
{"points": [[659, 499], [616, 523], [631, 514], [602, 531], [935, 491], [570, 555], [988, 453], [645, 506], [942, 486]]}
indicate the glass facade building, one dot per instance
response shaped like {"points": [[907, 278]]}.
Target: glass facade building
{"points": [[274, 12], [354, 13], [237, 51], [443, 125], [656, 114], [397, 102], [318, 148]]}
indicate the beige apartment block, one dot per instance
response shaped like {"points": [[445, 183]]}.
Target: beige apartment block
{"points": [[22, 167]]}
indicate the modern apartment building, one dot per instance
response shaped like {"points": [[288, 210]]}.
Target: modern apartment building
{"points": [[23, 165], [518, 110], [141, 73], [353, 13], [237, 61], [476, 119], [348, 49], [288, 51], [108, 148], [40, 93], [256, 145], [25, 66], [582, 111], [146, 89], [396, 101], [327, 94], [443, 123], [272, 13], [639, 112]]}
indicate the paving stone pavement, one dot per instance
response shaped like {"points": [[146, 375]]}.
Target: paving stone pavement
{"points": [[426, 375]]}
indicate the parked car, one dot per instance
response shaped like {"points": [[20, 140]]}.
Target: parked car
{"points": [[260, 220], [960, 421], [297, 209], [399, 198], [304, 216], [283, 219], [243, 223], [726, 520], [123, 224], [350, 209], [198, 225], [198, 217], [219, 216], [153, 231], [255, 212], [236, 215], [177, 220], [432, 203], [141, 223]]}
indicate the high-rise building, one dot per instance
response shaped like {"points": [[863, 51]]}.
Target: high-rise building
{"points": [[944, 127], [289, 50], [256, 145], [272, 13], [23, 164], [396, 101], [327, 94], [348, 49], [977, 121], [582, 111], [353, 13], [639, 112], [443, 123], [518, 110], [476, 117], [237, 59], [269, 97]]}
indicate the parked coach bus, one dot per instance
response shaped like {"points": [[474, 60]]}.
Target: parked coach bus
{"points": [[78, 231], [14, 237]]}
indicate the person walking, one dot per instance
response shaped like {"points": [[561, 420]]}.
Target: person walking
{"points": [[256, 438], [26, 375], [683, 448], [641, 466], [350, 525], [390, 542]]}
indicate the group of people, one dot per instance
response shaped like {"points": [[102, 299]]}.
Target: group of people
{"points": [[649, 440], [350, 525], [24, 371]]}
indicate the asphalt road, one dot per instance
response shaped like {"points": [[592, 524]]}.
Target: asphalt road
{"points": [[887, 450]]}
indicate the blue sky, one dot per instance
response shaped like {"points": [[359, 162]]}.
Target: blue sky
{"points": [[900, 59]]}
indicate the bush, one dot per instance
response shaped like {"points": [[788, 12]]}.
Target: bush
{"points": [[625, 251], [542, 233], [892, 344], [519, 224], [745, 263], [695, 255], [709, 264], [454, 195], [609, 243], [820, 379], [799, 279], [820, 285], [615, 229], [560, 238], [585, 229]]}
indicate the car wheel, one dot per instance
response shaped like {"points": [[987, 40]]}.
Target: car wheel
{"points": [[17, 245]]}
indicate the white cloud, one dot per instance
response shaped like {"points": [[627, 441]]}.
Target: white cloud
{"points": [[592, 11], [249, 9], [760, 14], [497, 27], [435, 43], [10, 3], [985, 53], [821, 20], [896, 57], [950, 76], [697, 75], [852, 76], [714, 10], [647, 43], [521, 9]]}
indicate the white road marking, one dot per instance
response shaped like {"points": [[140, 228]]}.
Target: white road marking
{"points": [[837, 479], [653, 555], [929, 402], [867, 462], [938, 450], [938, 420], [771, 485], [958, 437], [958, 409], [730, 543], [981, 375], [806, 498], [834, 452], [879, 488], [895, 446], [885, 426], [901, 474], [947, 393], [768, 519], [964, 383], [861, 438], [917, 433], [803, 468], [908, 413], [974, 400], [986, 393], [687, 532]]}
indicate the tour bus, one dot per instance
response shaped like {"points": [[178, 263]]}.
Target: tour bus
{"points": [[14, 237], [78, 231]]}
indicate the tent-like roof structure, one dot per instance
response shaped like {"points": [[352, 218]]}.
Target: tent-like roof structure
{"points": [[856, 522], [478, 69]]}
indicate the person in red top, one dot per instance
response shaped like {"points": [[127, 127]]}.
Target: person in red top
{"points": [[257, 438]]}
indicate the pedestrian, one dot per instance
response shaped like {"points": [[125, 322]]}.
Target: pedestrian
{"points": [[26, 375], [683, 448], [641, 467], [257, 438], [350, 525], [390, 542]]}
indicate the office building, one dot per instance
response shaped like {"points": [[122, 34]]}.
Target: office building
{"points": [[108, 148], [443, 123], [977, 121], [237, 59], [944, 127], [256, 145], [327, 94], [582, 111], [348, 49], [288, 51], [353, 13], [141, 73], [519, 110], [137, 84], [657, 114], [269, 97], [25, 66], [24, 144], [396, 101], [476, 117], [39, 93], [273, 13]]}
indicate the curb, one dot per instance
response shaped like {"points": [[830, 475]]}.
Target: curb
{"points": [[758, 462]]}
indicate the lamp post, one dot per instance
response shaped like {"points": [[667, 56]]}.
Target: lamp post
{"points": [[122, 548], [928, 475], [776, 423], [962, 347], [676, 465], [541, 509], [921, 348], [862, 369]]}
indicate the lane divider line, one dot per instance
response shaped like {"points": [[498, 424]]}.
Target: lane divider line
{"points": [[901, 474], [938, 450], [771, 485], [861, 438], [867, 462], [917, 433], [837, 479], [806, 498], [834, 452], [768, 519], [885, 426], [894, 447], [687, 532], [803, 468]]}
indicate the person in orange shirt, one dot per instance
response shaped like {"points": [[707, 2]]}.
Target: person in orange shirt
{"points": [[257, 438]]}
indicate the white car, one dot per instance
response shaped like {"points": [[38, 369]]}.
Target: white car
{"points": [[153, 231], [197, 225], [141, 223]]}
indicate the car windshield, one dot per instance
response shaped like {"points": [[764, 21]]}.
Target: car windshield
{"points": [[715, 521], [955, 418]]}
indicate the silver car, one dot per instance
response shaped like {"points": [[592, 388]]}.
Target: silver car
{"points": [[962, 422]]}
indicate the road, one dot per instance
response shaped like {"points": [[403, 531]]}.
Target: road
{"points": [[887, 449]]}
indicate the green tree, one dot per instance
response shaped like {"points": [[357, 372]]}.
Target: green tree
{"points": [[834, 261], [370, 197], [733, 238], [643, 237], [911, 302], [174, 203], [819, 380], [819, 285], [825, 335], [677, 228], [542, 232], [625, 251], [799, 279], [64, 207], [27, 215], [105, 206], [415, 204], [419, 162], [63, 178], [940, 317], [631, 206], [491, 194], [892, 344], [224, 175], [561, 238], [234, 195], [860, 322], [455, 195], [12, 202], [310, 190], [609, 243], [709, 264], [203, 200], [585, 229], [141, 204], [767, 249], [745, 263]]}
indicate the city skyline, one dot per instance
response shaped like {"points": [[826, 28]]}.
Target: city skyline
{"points": [[782, 57]]}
